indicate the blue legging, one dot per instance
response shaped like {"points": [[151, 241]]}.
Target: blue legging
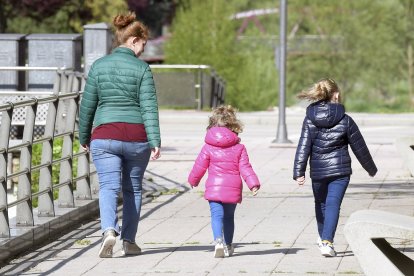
{"points": [[222, 220]]}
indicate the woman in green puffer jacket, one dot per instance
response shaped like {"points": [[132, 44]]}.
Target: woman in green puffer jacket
{"points": [[118, 122]]}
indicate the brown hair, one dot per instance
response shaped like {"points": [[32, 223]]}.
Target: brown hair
{"points": [[324, 90], [127, 25], [225, 116]]}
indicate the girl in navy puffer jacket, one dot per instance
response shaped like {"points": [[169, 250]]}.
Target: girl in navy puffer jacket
{"points": [[226, 159], [326, 133]]}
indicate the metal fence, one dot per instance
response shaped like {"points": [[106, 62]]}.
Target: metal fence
{"points": [[178, 86], [66, 93], [188, 86], [53, 198], [65, 190]]}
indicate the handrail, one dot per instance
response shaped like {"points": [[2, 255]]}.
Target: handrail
{"points": [[62, 105], [33, 68], [180, 66], [68, 181]]}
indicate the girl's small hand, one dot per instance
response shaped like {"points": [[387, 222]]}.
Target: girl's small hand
{"points": [[255, 190], [300, 180], [85, 147]]}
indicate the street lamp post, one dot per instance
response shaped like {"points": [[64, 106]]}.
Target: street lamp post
{"points": [[281, 136]]}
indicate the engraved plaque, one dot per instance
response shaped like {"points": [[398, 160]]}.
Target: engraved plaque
{"points": [[97, 43], [52, 50], [11, 54]]}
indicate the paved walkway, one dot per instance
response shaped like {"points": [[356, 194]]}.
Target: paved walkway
{"points": [[275, 231]]}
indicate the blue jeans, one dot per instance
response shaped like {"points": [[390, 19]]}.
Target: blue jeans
{"points": [[120, 165], [328, 195], [222, 220]]}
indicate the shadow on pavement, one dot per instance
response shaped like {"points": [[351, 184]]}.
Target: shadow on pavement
{"points": [[207, 248], [26, 261]]}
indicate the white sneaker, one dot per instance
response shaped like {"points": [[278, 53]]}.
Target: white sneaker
{"points": [[327, 249], [219, 249], [228, 250], [319, 242], [108, 242]]}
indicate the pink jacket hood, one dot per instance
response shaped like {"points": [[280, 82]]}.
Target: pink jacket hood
{"points": [[221, 137], [227, 163]]}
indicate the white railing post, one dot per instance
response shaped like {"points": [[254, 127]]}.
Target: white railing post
{"points": [[46, 206], [4, 144], [24, 214]]}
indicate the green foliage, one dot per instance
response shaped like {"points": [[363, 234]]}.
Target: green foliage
{"points": [[57, 153], [204, 34], [362, 44], [105, 10], [67, 17], [367, 46]]}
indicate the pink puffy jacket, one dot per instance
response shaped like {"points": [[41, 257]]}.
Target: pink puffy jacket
{"points": [[226, 159]]}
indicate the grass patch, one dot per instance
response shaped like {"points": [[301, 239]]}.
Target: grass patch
{"points": [[277, 243], [171, 192], [83, 242], [195, 242], [157, 243]]}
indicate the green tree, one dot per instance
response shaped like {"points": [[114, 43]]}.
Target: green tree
{"points": [[203, 33], [408, 36], [365, 45], [360, 47], [56, 16], [105, 10]]}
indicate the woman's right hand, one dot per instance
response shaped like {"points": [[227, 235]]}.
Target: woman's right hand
{"points": [[156, 153], [301, 180]]}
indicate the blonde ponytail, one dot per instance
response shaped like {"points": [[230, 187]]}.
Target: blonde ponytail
{"points": [[322, 90]]}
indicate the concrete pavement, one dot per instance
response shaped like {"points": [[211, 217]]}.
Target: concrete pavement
{"points": [[275, 231]]}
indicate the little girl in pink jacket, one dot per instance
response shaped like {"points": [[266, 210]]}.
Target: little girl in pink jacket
{"points": [[226, 159]]}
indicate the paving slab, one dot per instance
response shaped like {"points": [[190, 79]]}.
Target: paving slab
{"points": [[275, 231]]}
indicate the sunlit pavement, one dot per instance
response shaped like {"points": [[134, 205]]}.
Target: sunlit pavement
{"points": [[275, 231]]}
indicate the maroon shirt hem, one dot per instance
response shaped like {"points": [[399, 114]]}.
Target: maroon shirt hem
{"points": [[121, 131]]}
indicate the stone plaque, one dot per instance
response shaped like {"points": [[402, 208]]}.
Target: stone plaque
{"points": [[11, 54], [52, 50], [97, 42]]}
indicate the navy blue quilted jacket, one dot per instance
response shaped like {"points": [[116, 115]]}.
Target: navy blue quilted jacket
{"points": [[326, 133]]}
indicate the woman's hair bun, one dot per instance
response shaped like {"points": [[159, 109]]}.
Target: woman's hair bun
{"points": [[123, 20]]}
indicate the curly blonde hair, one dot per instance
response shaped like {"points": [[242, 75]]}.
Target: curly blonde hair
{"points": [[127, 25], [324, 90], [225, 116]]}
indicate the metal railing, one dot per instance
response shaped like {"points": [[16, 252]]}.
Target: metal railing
{"points": [[209, 87], [207, 91], [66, 93], [67, 180]]}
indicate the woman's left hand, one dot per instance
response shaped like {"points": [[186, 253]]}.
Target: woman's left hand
{"points": [[156, 153]]}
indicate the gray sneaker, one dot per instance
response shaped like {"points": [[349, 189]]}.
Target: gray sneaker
{"points": [[130, 248], [228, 250], [108, 242]]}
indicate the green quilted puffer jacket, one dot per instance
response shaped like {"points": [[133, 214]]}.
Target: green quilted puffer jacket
{"points": [[119, 88]]}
